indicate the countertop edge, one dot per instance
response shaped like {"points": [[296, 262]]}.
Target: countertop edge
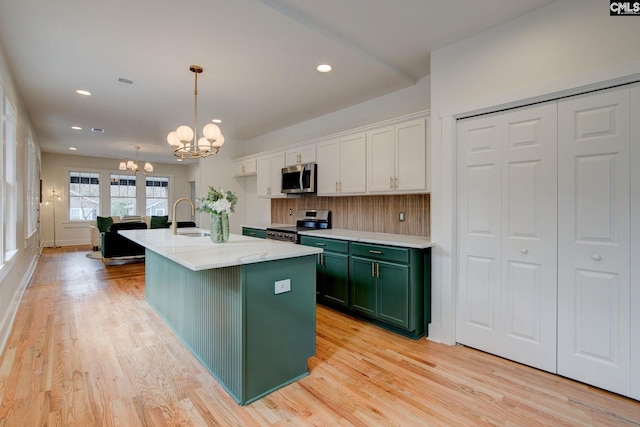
{"points": [[372, 237]]}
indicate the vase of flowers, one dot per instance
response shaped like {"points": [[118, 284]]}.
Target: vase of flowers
{"points": [[219, 204]]}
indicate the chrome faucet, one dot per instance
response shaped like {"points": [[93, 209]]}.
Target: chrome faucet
{"points": [[174, 225]]}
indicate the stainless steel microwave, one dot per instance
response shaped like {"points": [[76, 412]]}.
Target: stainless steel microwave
{"points": [[299, 179]]}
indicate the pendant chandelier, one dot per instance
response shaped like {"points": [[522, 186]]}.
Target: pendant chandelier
{"points": [[184, 140], [132, 168]]}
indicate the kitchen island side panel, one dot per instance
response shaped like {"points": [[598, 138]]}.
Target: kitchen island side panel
{"points": [[205, 309], [280, 327]]}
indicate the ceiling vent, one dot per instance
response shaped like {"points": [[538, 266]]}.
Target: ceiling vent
{"points": [[125, 82], [97, 130]]}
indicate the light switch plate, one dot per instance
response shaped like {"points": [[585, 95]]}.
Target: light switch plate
{"points": [[282, 286]]}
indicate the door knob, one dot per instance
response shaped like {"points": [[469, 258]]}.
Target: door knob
{"points": [[524, 251], [596, 257]]}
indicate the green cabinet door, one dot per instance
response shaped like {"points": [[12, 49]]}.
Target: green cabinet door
{"points": [[335, 278], [393, 293], [363, 286], [332, 276]]}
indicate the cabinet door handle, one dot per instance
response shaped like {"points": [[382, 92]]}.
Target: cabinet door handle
{"points": [[336, 186], [391, 182], [320, 244], [377, 269], [396, 180], [596, 257], [524, 251], [373, 269], [371, 251]]}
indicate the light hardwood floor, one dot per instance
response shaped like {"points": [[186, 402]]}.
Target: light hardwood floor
{"points": [[87, 350]]}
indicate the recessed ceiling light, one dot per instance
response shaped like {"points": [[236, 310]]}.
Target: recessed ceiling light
{"points": [[83, 92], [324, 68], [178, 159], [76, 128], [72, 148], [216, 121]]}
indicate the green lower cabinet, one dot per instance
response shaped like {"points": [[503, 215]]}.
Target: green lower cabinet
{"points": [[333, 278], [254, 232], [393, 291], [387, 286], [332, 270], [384, 285], [380, 289], [363, 286]]}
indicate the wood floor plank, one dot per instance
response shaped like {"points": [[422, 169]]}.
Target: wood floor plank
{"points": [[86, 349]]}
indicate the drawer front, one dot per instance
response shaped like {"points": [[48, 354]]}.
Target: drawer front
{"points": [[254, 232], [379, 252], [326, 244]]}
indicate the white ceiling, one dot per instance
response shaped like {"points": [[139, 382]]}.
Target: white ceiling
{"points": [[259, 58]]}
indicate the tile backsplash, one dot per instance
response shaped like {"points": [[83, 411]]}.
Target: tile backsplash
{"points": [[363, 213]]}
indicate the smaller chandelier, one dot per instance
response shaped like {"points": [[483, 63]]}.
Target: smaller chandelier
{"points": [[132, 168], [184, 140]]}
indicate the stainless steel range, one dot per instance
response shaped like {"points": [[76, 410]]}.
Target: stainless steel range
{"points": [[306, 219]]}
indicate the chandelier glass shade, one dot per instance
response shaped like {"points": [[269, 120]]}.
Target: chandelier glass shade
{"points": [[132, 167], [185, 141]]}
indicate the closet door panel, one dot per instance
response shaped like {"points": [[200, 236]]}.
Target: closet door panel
{"points": [[594, 244], [529, 236], [480, 198]]}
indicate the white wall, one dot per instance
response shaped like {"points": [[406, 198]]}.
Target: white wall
{"points": [[16, 271], [405, 101], [558, 49], [217, 171], [54, 174]]}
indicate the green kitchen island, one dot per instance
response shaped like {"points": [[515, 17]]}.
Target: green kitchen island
{"points": [[245, 308]]}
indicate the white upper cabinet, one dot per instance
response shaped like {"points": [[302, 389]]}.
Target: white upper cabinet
{"points": [[244, 167], [269, 172], [342, 165], [300, 155], [385, 157], [396, 158]]}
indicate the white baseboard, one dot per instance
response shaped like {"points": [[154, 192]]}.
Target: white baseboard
{"points": [[6, 325]]}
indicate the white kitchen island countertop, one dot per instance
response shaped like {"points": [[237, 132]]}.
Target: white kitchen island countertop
{"points": [[200, 253]]}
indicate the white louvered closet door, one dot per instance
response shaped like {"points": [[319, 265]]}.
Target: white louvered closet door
{"points": [[594, 244], [507, 234]]}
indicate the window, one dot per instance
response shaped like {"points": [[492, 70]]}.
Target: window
{"points": [[123, 195], [33, 188], [157, 195], [10, 196], [84, 195]]}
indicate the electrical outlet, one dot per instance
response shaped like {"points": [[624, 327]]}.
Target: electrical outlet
{"points": [[401, 216], [282, 286], [290, 211]]}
